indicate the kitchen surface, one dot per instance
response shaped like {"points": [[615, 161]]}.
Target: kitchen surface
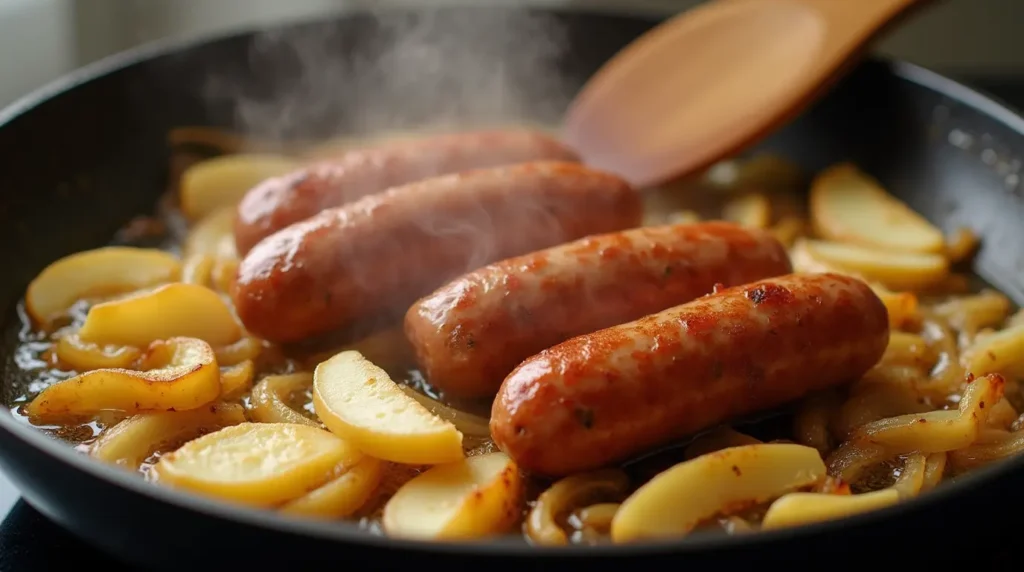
{"points": [[975, 40]]}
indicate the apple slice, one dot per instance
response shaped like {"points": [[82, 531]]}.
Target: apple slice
{"points": [[131, 441], [99, 272], [343, 495], [796, 509], [171, 310], [357, 400], [912, 271], [677, 500], [179, 374], [214, 235], [751, 210], [474, 498], [258, 464], [222, 181], [849, 206]]}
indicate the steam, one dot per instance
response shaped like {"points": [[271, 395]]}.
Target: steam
{"points": [[384, 72], [398, 70]]}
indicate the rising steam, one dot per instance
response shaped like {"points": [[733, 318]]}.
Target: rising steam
{"points": [[412, 71], [399, 70]]}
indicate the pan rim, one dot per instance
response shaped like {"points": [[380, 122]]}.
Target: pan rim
{"points": [[347, 533]]}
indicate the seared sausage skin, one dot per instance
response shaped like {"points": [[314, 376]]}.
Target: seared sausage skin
{"points": [[368, 261], [281, 201], [472, 332], [605, 397]]}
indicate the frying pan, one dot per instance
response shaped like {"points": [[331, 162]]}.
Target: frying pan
{"points": [[84, 155]]}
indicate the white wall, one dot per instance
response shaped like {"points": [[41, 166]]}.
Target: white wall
{"points": [[37, 43]]}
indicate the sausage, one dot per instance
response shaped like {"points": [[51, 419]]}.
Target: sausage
{"points": [[281, 201], [368, 261], [608, 396], [472, 332]]}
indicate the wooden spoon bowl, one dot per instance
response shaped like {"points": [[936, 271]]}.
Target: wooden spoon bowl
{"points": [[709, 82]]}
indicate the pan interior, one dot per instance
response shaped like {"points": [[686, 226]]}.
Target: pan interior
{"points": [[92, 158]]}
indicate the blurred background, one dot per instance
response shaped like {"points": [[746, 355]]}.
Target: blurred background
{"points": [[42, 39]]}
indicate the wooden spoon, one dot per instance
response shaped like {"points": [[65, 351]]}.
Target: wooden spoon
{"points": [[705, 84]]}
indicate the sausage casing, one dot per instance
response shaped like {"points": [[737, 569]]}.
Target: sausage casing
{"points": [[472, 332], [608, 396], [281, 201], [368, 261]]}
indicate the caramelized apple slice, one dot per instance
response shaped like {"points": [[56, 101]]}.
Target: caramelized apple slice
{"points": [[131, 441], [849, 206], [674, 502], [357, 400], [473, 498], [222, 181], [168, 311], [258, 464], [100, 272], [180, 374]]}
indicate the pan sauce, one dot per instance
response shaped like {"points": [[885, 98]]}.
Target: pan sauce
{"points": [[945, 326]]}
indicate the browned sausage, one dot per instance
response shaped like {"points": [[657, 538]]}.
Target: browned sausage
{"points": [[472, 332], [608, 396], [370, 260], [281, 201]]}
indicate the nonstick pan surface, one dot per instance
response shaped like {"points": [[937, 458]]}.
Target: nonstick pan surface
{"points": [[86, 154]]}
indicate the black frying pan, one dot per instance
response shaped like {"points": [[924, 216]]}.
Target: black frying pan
{"points": [[86, 154]]}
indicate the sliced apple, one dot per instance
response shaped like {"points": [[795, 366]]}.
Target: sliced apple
{"points": [[795, 509], [343, 495], [849, 206], [246, 348], [467, 423], [473, 498], [902, 306], [750, 210], [222, 181], [571, 493], [674, 502], [258, 464], [1000, 352], [168, 311], [897, 270], [180, 374], [906, 349], [357, 400], [236, 380], [131, 441], [198, 269], [99, 272], [961, 245], [788, 229], [85, 356], [931, 432], [213, 235], [270, 399], [682, 217]]}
